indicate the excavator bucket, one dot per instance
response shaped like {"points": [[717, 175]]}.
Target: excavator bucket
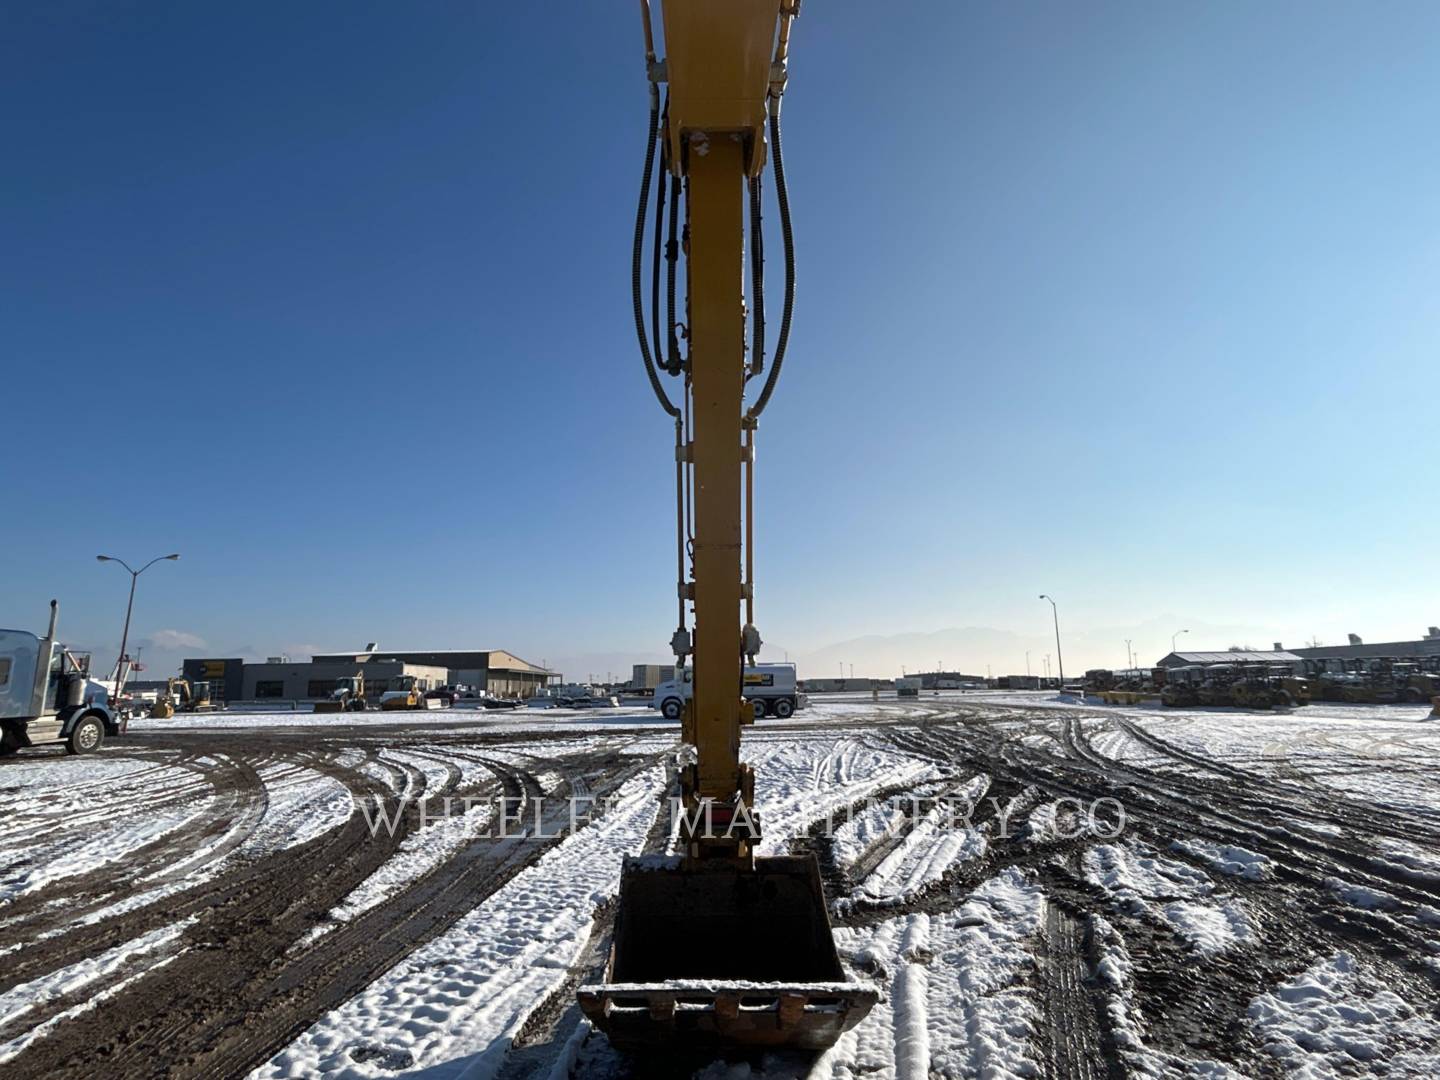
{"points": [[717, 958]]}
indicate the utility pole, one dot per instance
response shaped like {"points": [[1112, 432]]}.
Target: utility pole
{"points": [[1175, 635], [1129, 656], [130, 605], [1059, 656]]}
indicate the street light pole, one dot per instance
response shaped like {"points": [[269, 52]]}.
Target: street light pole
{"points": [[1059, 656], [129, 607], [1129, 655], [1174, 636]]}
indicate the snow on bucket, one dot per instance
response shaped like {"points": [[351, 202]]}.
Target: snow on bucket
{"points": [[719, 957]]}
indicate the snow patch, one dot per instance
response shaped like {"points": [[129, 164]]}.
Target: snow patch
{"points": [[1334, 1019], [1227, 859]]}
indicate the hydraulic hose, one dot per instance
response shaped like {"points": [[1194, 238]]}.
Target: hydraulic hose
{"points": [[782, 198], [757, 281], [655, 338], [637, 257], [674, 365]]}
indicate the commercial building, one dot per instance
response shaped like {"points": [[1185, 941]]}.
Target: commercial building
{"points": [[1276, 656], [317, 679], [494, 671], [842, 686], [1357, 649], [947, 680], [1316, 656]]}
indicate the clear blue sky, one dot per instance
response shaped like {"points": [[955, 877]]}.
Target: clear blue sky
{"points": [[1137, 304]]}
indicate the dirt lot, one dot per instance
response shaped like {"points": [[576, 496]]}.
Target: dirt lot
{"points": [[1253, 895]]}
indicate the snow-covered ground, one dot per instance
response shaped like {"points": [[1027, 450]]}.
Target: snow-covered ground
{"points": [[952, 920]]}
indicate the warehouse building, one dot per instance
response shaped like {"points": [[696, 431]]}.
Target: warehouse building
{"points": [[1316, 656], [1429, 645], [494, 671], [286, 680], [499, 673], [1237, 656]]}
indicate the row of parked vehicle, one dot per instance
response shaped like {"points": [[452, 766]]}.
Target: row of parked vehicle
{"points": [[1375, 680]]}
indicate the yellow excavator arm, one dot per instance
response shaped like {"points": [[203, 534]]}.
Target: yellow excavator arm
{"points": [[714, 947]]}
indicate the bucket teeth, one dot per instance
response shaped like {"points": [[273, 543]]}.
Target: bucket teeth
{"points": [[715, 957]]}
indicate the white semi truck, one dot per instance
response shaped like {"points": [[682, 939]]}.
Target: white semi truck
{"points": [[47, 695], [770, 688]]}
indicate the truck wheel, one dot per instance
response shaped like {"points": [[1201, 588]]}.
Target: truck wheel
{"points": [[10, 742], [784, 707], [759, 707], [89, 733], [670, 708]]}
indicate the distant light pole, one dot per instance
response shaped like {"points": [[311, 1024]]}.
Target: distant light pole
{"points": [[1175, 635], [130, 606], [1059, 656], [1129, 655], [1027, 664]]}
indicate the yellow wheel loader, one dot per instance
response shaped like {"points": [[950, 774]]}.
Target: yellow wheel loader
{"points": [[348, 696], [716, 948], [1268, 686], [1418, 681]]}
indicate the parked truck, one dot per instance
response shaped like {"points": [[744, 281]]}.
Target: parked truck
{"points": [[47, 695], [769, 688], [908, 687]]}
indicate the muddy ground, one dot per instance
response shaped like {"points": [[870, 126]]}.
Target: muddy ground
{"points": [[248, 975]]}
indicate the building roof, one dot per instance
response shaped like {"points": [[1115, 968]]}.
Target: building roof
{"points": [[1423, 647], [454, 659], [1174, 659]]}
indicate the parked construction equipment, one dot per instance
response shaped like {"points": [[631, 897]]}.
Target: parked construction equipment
{"points": [[47, 695], [1246, 686], [181, 696], [716, 948], [404, 692], [1372, 681], [1268, 686], [348, 696]]}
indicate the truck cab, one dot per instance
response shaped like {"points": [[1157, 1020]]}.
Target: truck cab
{"points": [[47, 696], [770, 689]]}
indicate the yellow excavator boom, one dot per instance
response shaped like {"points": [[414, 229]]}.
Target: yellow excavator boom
{"points": [[715, 948]]}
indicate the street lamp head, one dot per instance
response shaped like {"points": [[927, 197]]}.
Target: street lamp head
{"points": [[103, 558], [172, 558]]}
